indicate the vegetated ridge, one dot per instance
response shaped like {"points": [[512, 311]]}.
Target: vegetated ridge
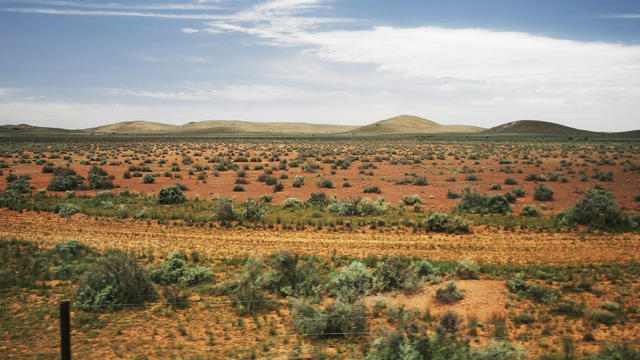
{"points": [[398, 125]]}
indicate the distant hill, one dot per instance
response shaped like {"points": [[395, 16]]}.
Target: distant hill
{"points": [[408, 124], [29, 129], [398, 125], [133, 127], [217, 127], [535, 127]]}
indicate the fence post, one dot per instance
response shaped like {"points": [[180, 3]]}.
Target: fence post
{"points": [[65, 331]]}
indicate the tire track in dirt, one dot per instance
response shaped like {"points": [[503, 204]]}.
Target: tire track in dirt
{"points": [[485, 244]]}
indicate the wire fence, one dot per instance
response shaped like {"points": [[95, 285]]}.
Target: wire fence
{"points": [[217, 343]]}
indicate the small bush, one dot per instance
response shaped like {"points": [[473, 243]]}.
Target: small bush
{"points": [[440, 222], [148, 178], [598, 209], [371, 190], [476, 203], [292, 203], [468, 269], [448, 294], [223, 209], [604, 317], [543, 193], [112, 282], [319, 199], [344, 208], [298, 182], [337, 319], [325, 183], [410, 200], [495, 186], [530, 210], [67, 209], [253, 211], [175, 270], [352, 282], [171, 195], [510, 181], [238, 188]]}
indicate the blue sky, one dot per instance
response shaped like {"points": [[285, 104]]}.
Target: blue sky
{"points": [[79, 64]]}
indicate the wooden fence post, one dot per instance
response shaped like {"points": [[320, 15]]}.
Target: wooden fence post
{"points": [[65, 331]]}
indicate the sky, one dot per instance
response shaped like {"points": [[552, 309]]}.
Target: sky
{"points": [[79, 64]]}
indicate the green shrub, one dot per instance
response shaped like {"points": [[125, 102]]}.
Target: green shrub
{"points": [[476, 203], [298, 182], [510, 181], [148, 178], [530, 210], [99, 179], [64, 179], [67, 209], [543, 193], [246, 291], [319, 199], [175, 270], [325, 183], [69, 249], [112, 282], [598, 209], [441, 222], [344, 208], [424, 268], [223, 209], [610, 306], [19, 186], [292, 203], [410, 200], [519, 192], [523, 318], [467, 269], [289, 276], [371, 190], [238, 188], [352, 282], [569, 307], [495, 186], [253, 211], [390, 274], [452, 194], [448, 294], [368, 207], [171, 195], [337, 319], [604, 317]]}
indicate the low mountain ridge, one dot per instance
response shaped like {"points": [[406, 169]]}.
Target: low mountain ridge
{"points": [[535, 127], [409, 124]]}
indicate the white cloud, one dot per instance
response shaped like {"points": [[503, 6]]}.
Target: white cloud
{"points": [[621, 16], [200, 5], [231, 92], [189, 30]]}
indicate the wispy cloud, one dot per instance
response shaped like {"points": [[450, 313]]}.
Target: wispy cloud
{"points": [[119, 6], [621, 16], [230, 92], [52, 11]]}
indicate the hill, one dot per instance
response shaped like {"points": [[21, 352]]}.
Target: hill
{"points": [[408, 124], [133, 127], [246, 127], [535, 127], [31, 130]]}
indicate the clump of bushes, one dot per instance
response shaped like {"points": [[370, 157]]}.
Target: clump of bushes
{"points": [[338, 319], [344, 207], [175, 270], [64, 179], [476, 203], [171, 195], [440, 222], [99, 179], [112, 282], [598, 209], [530, 210], [67, 209], [410, 200], [468, 269], [223, 209], [448, 294], [292, 203], [543, 193], [253, 210], [148, 178], [350, 283], [289, 276]]}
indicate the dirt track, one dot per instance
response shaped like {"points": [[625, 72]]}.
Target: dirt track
{"points": [[485, 244]]}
